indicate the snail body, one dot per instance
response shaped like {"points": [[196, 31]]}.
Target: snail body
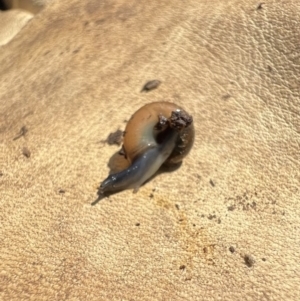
{"points": [[158, 133]]}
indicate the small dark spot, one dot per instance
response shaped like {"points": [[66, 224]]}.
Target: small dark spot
{"points": [[1, 173], [270, 69], [137, 224], [188, 278], [226, 96], [177, 206], [249, 260], [22, 132], [47, 52], [151, 195], [205, 250], [153, 189], [202, 215], [26, 152], [125, 121], [182, 267], [100, 21], [211, 182], [260, 5], [181, 219], [232, 249], [231, 208], [194, 225], [114, 138], [151, 85], [263, 259], [211, 216], [219, 221], [86, 23], [62, 191], [76, 50]]}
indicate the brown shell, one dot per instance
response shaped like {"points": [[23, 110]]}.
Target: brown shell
{"points": [[148, 125]]}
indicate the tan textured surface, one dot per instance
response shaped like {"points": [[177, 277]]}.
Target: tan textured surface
{"points": [[74, 75], [11, 22]]}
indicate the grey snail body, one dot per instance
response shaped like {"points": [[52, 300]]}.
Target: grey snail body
{"points": [[158, 133]]}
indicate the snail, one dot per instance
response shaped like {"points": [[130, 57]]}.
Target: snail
{"points": [[158, 133]]}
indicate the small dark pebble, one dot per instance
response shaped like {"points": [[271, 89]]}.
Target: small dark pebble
{"points": [[232, 249], [1, 173], [231, 208], [260, 6], [263, 259], [212, 183], [151, 85], [182, 267], [249, 260], [177, 206], [26, 152], [151, 195], [226, 96], [61, 191], [137, 224], [211, 216]]}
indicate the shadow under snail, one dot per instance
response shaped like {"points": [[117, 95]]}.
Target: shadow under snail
{"points": [[159, 133]]}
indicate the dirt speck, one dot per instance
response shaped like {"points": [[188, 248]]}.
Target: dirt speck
{"points": [[151, 85], [211, 216], [226, 96], [260, 6], [231, 208], [212, 183], [114, 138], [26, 152], [249, 260], [182, 267], [21, 133], [231, 249]]}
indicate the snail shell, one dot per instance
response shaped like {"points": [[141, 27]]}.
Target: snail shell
{"points": [[158, 133]]}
